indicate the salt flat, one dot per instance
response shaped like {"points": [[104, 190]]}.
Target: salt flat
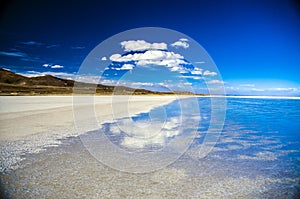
{"points": [[22, 116]]}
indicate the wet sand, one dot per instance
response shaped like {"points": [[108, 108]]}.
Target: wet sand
{"points": [[42, 157], [21, 117], [31, 124], [69, 171]]}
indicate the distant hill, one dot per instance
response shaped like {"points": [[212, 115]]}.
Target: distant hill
{"points": [[15, 84], [9, 77]]}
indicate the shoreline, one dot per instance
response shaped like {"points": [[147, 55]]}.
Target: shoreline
{"points": [[31, 124], [45, 114]]}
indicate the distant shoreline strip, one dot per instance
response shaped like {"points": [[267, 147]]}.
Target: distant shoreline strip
{"points": [[256, 97]]}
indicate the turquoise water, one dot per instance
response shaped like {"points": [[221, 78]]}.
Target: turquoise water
{"points": [[257, 155]]}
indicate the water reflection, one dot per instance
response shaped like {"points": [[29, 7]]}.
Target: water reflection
{"points": [[147, 141], [143, 136], [247, 162]]}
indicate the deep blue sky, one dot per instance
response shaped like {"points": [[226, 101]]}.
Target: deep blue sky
{"points": [[255, 44]]}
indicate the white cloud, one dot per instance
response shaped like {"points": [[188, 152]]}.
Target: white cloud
{"points": [[57, 66], [181, 43], [250, 89], [87, 78], [199, 62], [191, 77], [187, 83], [283, 89], [138, 84], [148, 62], [124, 67], [107, 81], [179, 69], [154, 57], [183, 39], [197, 71], [103, 58], [13, 54], [165, 62], [172, 62], [209, 73], [52, 66], [32, 43], [72, 76], [115, 57], [247, 85], [140, 135], [56, 74], [77, 47], [150, 55], [141, 45], [127, 67], [215, 82], [258, 89], [232, 88]]}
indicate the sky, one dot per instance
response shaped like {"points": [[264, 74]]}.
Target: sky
{"points": [[254, 46]]}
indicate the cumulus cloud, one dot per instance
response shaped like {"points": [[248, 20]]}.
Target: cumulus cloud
{"points": [[72, 76], [108, 81], [138, 84], [197, 71], [163, 62], [283, 89], [127, 67], [257, 89], [140, 136], [52, 66], [243, 89], [115, 57], [181, 43], [247, 85], [215, 82], [171, 60], [179, 69], [199, 62], [150, 55], [183, 39], [103, 58], [190, 77], [57, 66], [141, 45], [56, 74], [209, 73]]}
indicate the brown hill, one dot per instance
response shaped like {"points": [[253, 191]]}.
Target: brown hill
{"points": [[49, 80], [14, 84], [8, 77]]}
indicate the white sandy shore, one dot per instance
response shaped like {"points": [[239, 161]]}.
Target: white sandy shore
{"points": [[30, 124], [31, 115]]}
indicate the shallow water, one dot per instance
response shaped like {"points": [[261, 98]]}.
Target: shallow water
{"points": [[256, 156]]}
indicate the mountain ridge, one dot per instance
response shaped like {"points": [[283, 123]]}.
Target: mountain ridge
{"points": [[15, 84]]}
